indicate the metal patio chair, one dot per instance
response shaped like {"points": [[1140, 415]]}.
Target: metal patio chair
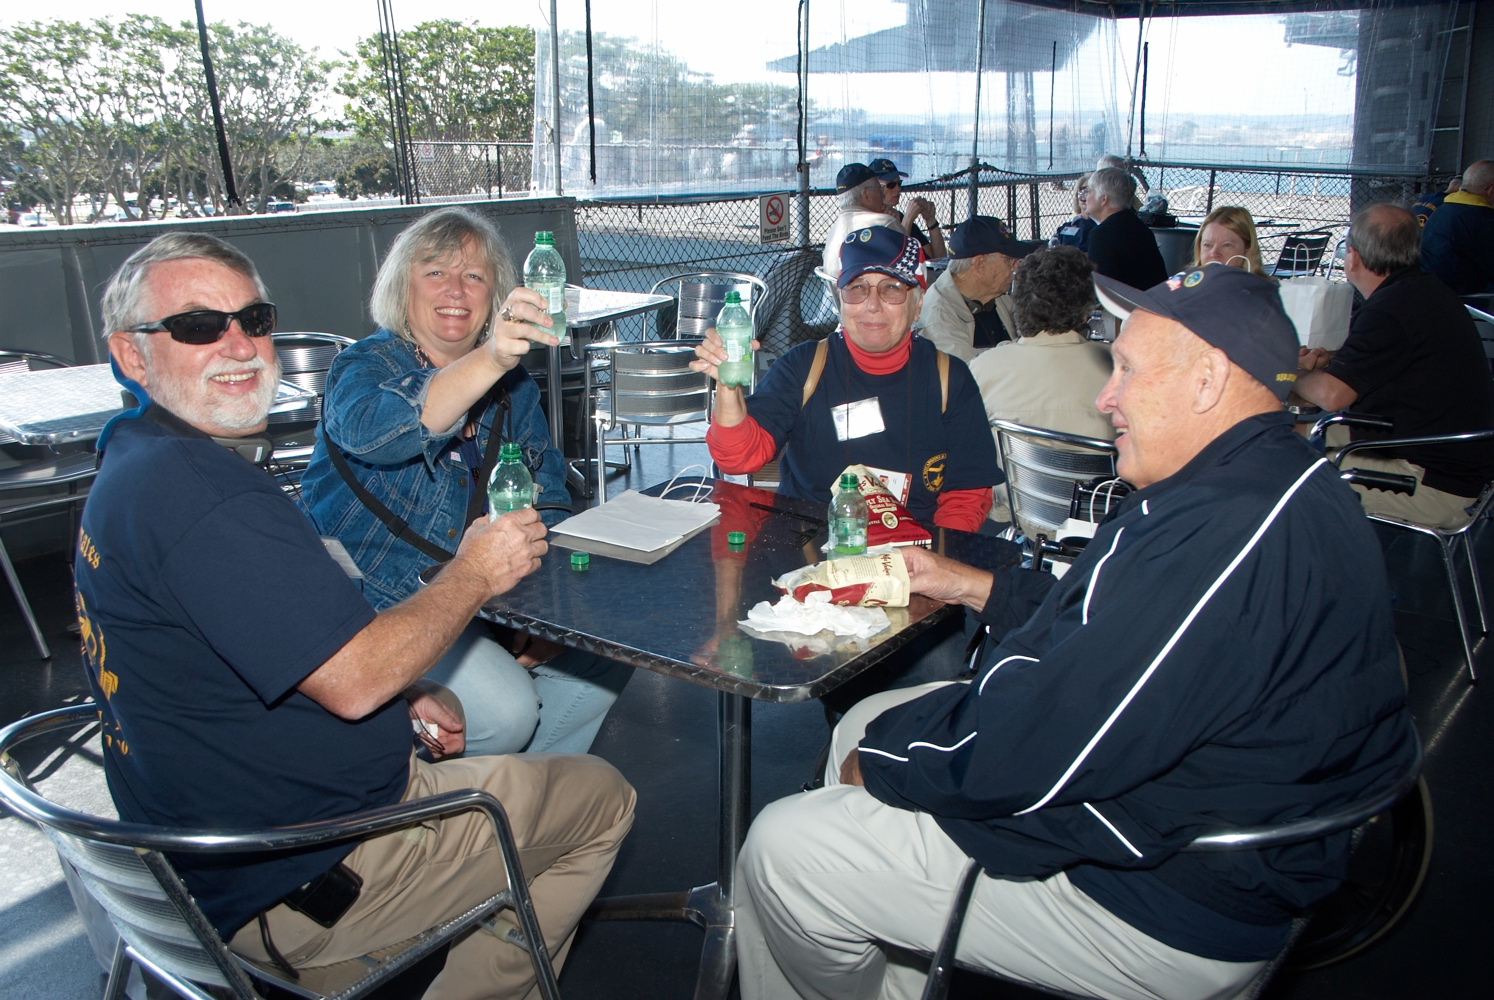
{"points": [[123, 868], [699, 297], [1301, 255], [651, 386], [1041, 469], [304, 361]]}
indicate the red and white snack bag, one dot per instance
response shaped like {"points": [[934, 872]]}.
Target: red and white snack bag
{"points": [[879, 579], [888, 521]]}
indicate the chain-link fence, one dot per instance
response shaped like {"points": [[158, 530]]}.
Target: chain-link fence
{"points": [[464, 169]]}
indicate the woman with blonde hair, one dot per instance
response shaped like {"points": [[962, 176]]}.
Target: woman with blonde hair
{"points": [[1227, 236]]}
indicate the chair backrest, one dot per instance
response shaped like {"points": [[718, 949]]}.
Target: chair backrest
{"points": [[1301, 253], [14, 360], [652, 384], [1042, 467], [304, 360], [700, 295]]}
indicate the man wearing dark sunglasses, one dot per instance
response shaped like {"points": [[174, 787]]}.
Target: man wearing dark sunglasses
{"points": [[891, 178], [243, 680]]}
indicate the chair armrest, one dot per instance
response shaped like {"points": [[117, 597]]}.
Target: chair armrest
{"points": [[1320, 427], [1410, 442]]}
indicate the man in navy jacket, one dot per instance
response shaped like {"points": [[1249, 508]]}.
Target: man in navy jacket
{"points": [[1222, 654]]}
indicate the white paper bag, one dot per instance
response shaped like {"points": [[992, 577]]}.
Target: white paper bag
{"points": [[1319, 309]]}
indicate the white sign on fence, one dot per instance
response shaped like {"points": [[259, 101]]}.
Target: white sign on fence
{"points": [[773, 217]]}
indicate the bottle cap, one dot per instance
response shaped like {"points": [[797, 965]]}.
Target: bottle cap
{"points": [[736, 538], [509, 452], [544, 237], [580, 560], [733, 298], [848, 480]]}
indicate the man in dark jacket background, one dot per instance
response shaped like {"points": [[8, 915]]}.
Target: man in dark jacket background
{"points": [[1222, 653], [1121, 246]]}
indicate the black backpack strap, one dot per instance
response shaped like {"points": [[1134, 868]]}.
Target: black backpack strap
{"points": [[496, 437], [396, 524]]}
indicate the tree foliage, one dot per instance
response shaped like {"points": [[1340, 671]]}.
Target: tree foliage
{"points": [[463, 82], [103, 108]]}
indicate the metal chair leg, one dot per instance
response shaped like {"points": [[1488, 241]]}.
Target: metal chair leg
{"points": [[1452, 584], [15, 586]]}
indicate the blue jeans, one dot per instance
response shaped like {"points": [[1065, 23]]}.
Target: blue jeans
{"points": [[557, 707]]}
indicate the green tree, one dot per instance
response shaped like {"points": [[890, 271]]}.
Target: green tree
{"points": [[464, 83]]}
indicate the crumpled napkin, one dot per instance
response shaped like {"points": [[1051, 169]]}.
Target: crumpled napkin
{"points": [[815, 614]]}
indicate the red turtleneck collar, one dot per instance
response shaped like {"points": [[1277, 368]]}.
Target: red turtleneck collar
{"points": [[879, 364]]}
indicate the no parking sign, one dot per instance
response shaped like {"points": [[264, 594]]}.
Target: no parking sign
{"points": [[773, 217]]}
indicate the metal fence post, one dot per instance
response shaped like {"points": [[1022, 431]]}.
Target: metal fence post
{"points": [[1210, 207]]}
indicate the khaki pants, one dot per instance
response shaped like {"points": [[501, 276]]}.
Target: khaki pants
{"points": [[568, 813], [827, 876], [1429, 507]]}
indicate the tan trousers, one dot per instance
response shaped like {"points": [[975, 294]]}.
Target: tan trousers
{"points": [[569, 814], [829, 876], [1429, 507]]}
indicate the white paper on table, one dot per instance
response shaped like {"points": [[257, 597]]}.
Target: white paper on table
{"points": [[815, 615], [634, 521]]}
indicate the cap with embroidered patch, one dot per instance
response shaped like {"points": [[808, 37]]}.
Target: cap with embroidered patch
{"points": [[879, 249], [981, 234], [1227, 307], [852, 175], [885, 169]]}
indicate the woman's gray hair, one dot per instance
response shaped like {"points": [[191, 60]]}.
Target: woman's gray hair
{"points": [[1115, 183], [851, 197], [437, 236], [121, 304]]}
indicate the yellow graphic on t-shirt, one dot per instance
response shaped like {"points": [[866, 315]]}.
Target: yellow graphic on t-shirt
{"points": [[94, 651], [87, 550], [933, 472]]}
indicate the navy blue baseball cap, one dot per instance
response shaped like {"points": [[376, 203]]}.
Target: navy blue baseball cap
{"points": [[882, 250], [885, 169], [1228, 308], [851, 175], [986, 234]]}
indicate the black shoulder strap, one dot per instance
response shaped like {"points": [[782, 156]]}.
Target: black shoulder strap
{"points": [[392, 521]]}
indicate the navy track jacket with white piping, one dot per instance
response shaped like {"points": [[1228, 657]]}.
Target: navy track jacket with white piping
{"points": [[1222, 654]]}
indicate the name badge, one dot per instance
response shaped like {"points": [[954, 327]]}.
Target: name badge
{"points": [[860, 419]]}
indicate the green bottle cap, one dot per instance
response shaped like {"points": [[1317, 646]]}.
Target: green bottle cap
{"points": [[544, 238], [848, 480], [580, 560], [509, 452], [736, 538], [733, 298]]}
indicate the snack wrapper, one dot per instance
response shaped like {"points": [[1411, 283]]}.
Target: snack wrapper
{"points": [[888, 521], [877, 579]]}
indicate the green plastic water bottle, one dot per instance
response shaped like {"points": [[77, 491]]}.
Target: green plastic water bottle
{"points": [[734, 327], [847, 519], [510, 487], [544, 271]]}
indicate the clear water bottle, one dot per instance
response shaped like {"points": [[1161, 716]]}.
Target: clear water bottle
{"points": [[734, 327], [544, 271], [511, 487], [847, 519]]}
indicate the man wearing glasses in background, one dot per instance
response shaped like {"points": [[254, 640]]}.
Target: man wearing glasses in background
{"points": [[243, 681], [918, 208]]}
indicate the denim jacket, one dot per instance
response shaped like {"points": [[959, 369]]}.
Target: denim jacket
{"points": [[375, 391]]}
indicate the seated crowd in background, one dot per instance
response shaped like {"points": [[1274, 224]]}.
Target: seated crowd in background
{"points": [[891, 179], [966, 310], [1075, 232], [1457, 240], [1413, 356], [1121, 246], [1051, 373], [1227, 236]]}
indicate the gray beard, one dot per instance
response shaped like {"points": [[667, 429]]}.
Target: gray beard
{"points": [[202, 409]]}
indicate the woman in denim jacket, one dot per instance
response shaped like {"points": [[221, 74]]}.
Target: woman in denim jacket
{"points": [[412, 409]]}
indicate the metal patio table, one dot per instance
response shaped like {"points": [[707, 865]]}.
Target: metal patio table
{"points": [[678, 617], [59, 405]]}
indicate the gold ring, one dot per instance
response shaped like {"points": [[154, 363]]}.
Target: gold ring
{"points": [[506, 314]]}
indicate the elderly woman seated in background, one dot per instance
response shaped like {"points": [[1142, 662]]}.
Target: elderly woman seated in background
{"points": [[1050, 375], [415, 414], [1227, 236], [1075, 232]]}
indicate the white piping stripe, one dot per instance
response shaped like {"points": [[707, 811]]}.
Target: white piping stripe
{"points": [[1095, 576], [998, 666], [1144, 508], [1111, 827], [1167, 648], [935, 746], [884, 753]]}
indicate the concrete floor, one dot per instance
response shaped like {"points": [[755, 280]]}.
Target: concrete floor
{"points": [[661, 734]]}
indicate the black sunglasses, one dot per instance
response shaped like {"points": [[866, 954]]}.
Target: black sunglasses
{"points": [[207, 326]]}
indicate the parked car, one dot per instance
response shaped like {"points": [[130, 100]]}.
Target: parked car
{"points": [[280, 206]]}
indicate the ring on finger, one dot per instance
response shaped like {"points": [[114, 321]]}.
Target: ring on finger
{"points": [[506, 314]]}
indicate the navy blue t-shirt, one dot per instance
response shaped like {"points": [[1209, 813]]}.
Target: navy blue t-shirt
{"points": [[205, 598], [938, 451]]}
